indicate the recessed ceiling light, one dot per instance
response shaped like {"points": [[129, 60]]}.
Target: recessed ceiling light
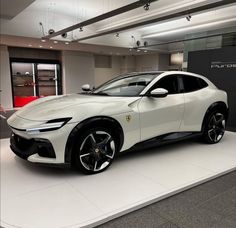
{"points": [[66, 43], [51, 47], [138, 50], [55, 41], [43, 40], [30, 45], [130, 49], [145, 51], [40, 46]]}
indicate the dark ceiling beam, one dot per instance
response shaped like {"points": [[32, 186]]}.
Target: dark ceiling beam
{"points": [[163, 18], [101, 17]]}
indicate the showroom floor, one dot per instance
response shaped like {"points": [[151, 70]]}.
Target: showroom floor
{"points": [[212, 204], [36, 196]]}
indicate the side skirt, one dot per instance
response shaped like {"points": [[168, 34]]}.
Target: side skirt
{"points": [[164, 139]]}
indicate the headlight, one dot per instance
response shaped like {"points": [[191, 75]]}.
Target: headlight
{"points": [[49, 125]]}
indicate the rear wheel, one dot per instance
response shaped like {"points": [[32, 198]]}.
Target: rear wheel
{"points": [[214, 127], [95, 150]]}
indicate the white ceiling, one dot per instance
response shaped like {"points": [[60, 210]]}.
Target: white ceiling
{"points": [[9, 9], [63, 13]]}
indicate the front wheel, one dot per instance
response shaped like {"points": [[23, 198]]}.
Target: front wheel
{"points": [[214, 127], [95, 150]]}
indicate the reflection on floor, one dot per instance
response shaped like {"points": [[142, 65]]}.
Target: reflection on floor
{"points": [[37, 196]]}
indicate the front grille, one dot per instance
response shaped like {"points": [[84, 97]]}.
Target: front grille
{"points": [[22, 143]]}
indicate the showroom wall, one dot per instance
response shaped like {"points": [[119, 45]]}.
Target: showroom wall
{"points": [[77, 69], [219, 65], [131, 63], [5, 82], [105, 72]]}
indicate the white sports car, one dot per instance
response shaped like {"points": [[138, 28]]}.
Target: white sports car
{"points": [[90, 128]]}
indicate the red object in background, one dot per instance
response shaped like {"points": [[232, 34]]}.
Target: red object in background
{"points": [[21, 101]]}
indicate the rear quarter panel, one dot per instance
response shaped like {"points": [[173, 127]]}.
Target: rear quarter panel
{"points": [[196, 106]]}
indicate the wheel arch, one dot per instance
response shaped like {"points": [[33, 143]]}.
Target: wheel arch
{"points": [[90, 122], [216, 105]]}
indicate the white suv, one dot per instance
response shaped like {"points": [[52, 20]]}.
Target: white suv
{"points": [[90, 128]]}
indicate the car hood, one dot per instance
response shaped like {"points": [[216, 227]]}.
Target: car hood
{"points": [[78, 106]]}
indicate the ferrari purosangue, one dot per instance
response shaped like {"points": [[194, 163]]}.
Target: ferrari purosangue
{"points": [[88, 129]]}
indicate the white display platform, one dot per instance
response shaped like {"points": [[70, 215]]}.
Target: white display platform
{"points": [[40, 197]]}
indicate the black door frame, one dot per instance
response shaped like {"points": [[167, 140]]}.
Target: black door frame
{"points": [[35, 62]]}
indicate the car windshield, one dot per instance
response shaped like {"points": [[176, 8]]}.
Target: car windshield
{"points": [[125, 86]]}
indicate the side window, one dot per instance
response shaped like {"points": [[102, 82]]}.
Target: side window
{"points": [[192, 84], [169, 83], [202, 83]]}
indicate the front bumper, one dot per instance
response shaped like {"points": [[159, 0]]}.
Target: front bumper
{"points": [[40, 147], [25, 148]]}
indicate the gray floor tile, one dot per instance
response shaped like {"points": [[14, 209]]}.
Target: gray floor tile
{"points": [[168, 225], [224, 204], [201, 218]]}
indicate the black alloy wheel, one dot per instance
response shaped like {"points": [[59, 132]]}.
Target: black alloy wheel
{"points": [[215, 127], [95, 150]]}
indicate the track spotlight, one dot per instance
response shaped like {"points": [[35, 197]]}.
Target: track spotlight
{"points": [[81, 29], [64, 35], [146, 6], [138, 43], [51, 31], [188, 18]]}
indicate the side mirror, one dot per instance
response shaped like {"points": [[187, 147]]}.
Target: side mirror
{"points": [[86, 87], [159, 92]]}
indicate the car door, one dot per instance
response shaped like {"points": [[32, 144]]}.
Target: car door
{"points": [[196, 102], [162, 115]]}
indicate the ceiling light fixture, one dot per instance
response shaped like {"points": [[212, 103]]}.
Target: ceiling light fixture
{"points": [[40, 46], [146, 6], [64, 35], [184, 29], [81, 29], [51, 47], [188, 18], [117, 34], [145, 51], [51, 31], [145, 44], [55, 41], [30, 45], [66, 43], [138, 50], [43, 40]]}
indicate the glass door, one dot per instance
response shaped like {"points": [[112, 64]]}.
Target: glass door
{"points": [[47, 79], [23, 79]]}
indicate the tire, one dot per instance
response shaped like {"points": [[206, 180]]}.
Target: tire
{"points": [[214, 127], [95, 150]]}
